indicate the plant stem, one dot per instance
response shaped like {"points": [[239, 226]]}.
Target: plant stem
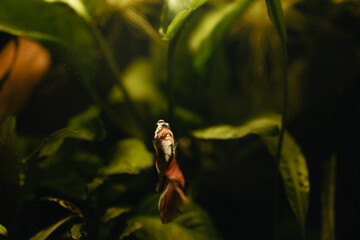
{"points": [[328, 199], [281, 137], [170, 77], [117, 74]]}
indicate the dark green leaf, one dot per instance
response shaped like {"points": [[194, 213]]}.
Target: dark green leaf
{"points": [[268, 126], [45, 233], [294, 172], [129, 156], [77, 5], [65, 181], [91, 187], [114, 212], [212, 29], [131, 228], [52, 143], [192, 223], [176, 12], [276, 15], [65, 204], [76, 231], [3, 231], [88, 124], [8, 154], [35, 19]]}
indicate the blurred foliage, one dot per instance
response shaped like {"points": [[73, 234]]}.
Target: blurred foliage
{"points": [[76, 162]]}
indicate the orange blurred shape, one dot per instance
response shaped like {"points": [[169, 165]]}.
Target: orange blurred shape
{"points": [[23, 63]]}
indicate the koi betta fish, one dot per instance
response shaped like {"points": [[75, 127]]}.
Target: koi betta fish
{"points": [[171, 180]]}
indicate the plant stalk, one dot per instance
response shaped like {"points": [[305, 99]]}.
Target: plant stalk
{"points": [[117, 74]]}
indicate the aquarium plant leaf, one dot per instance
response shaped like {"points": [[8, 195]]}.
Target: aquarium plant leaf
{"points": [[88, 124], [139, 79], [77, 5], [95, 184], [276, 15], [3, 231], [52, 143], [212, 30], [128, 156], [267, 126], [114, 212], [174, 15], [294, 172], [65, 204], [192, 223], [70, 31], [45, 233], [8, 156], [130, 228], [75, 231]]}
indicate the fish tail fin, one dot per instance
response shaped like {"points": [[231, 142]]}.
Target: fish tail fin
{"points": [[170, 201]]}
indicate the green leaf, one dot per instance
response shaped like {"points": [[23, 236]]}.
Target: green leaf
{"points": [[212, 30], [3, 231], [52, 143], [65, 181], [52, 23], [192, 223], [276, 15], [77, 5], [76, 231], [45, 233], [131, 228], [139, 79], [268, 126], [65, 204], [92, 186], [128, 156], [294, 172], [88, 124], [8, 155], [114, 212], [176, 12]]}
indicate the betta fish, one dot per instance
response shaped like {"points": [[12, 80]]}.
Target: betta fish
{"points": [[171, 180]]}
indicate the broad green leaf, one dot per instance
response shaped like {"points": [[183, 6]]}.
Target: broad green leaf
{"points": [[268, 126], [3, 231], [294, 172], [276, 15], [76, 231], [176, 13], [77, 5], [130, 228], [88, 124], [45, 233], [52, 143], [139, 79], [128, 156], [52, 23], [192, 223], [65, 181], [212, 30], [114, 212]]}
